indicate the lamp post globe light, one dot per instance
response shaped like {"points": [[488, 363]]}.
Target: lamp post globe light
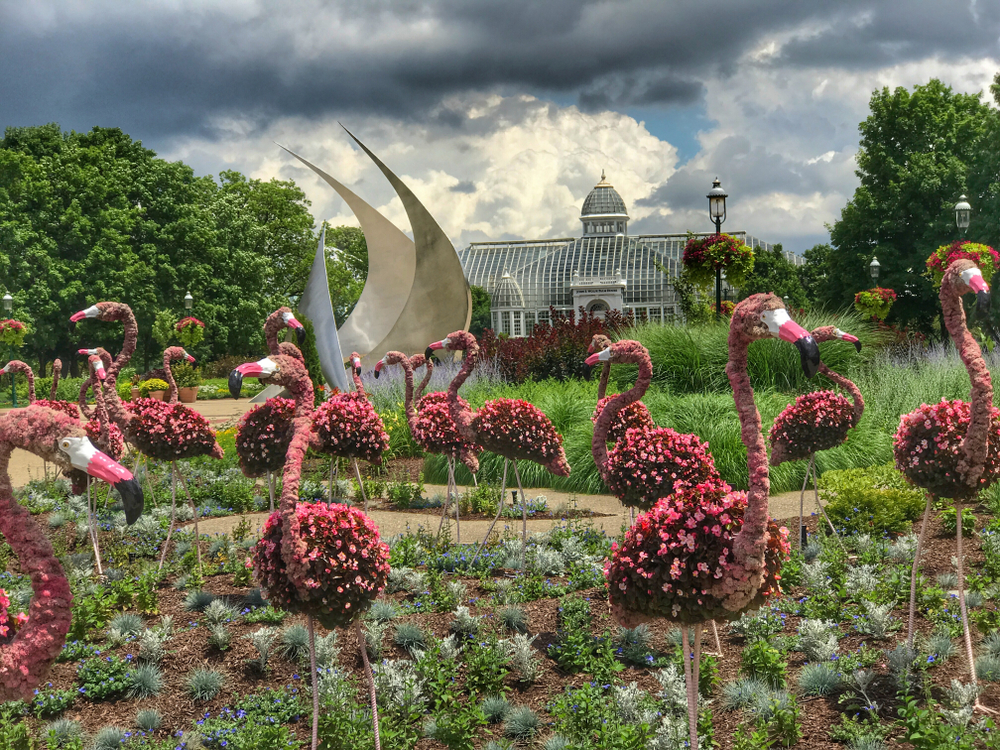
{"points": [[962, 213], [873, 268], [717, 211], [188, 301], [8, 305]]}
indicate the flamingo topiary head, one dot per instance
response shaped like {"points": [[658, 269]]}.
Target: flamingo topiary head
{"points": [[762, 316], [104, 311], [289, 320], [459, 341], [963, 276], [356, 363], [390, 358]]}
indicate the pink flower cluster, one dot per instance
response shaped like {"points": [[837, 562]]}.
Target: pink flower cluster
{"points": [[675, 554], [634, 415], [116, 441], [817, 421], [346, 561], [652, 463], [984, 256], [169, 432], [347, 425], [703, 256], [435, 429], [263, 435], [11, 325], [66, 407], [519, 429], [8, 626], [928, 449], [185, 322], [875, 302]]}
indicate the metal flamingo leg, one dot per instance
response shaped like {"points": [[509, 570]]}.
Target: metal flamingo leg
{"points": [[194, 510], [92, 512], [697, 668], [802, 499], [503, 488], [361, 484], [315, 682], [718, 643], [371, 683], [691, 688], [966, 632], [173, 514], [815, 475], [333, 461], [911, 623], [453, 488]]}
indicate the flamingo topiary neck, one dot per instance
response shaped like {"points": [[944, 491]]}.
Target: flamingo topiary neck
{"points": [[974, 445], [417, 361], [16, 365], [628, 352], [56, 371], [461, 414]]}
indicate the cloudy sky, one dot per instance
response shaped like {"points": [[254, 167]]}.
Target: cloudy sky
{"points": [[501, 114]]}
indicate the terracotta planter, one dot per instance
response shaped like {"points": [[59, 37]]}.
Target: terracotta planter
{"points": [[188, 395], [158, 395], [135, 393]]}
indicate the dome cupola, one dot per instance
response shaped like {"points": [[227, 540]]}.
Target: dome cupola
{"points": [[604, 211]]}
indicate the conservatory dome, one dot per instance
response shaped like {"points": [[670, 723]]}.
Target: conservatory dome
{"points": [[507, 293], [604, 210]]}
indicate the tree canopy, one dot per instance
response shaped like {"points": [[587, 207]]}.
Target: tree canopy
{"points": [[918, 152], [773, 272]]}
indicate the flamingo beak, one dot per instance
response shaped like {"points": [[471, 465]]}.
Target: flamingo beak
{"points": [[429, 351], [262, 368], [378, 367], [780, 324], [86, 352], [91, 312], [99, 369], [189, 358], [300, 330], [356, 364], [85, 457], [850, 338], [602, 356]]}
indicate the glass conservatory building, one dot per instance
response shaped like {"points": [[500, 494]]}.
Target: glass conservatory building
{"points": [[605, 269]]}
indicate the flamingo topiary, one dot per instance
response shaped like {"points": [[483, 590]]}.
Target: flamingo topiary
{"points": [[706, 552], [264, 432], [92, 378], [56, 372], [170, 354], [435, 432], [634, 415], [817, 421], [55, 437], [511, 428], [952, 449], [346, 425], [166, 432], [16, 365], [326, 561]]}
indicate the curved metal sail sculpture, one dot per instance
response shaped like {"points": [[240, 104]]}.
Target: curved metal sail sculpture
{"points": [[415, 290]]}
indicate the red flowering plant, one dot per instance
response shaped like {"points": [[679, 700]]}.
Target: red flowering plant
{"points": [[170, 432], [263, 435], [675, 553], [9, 626], [928, 448], [12, 332], [727, 308], [703, 256], [346, 425], [347, 563], [634, 415], [66, 407], [649, 464], [875, 303], [983, 256], [190, 331], [435, 429], [116, 441], [519, 429], [817, 421]]}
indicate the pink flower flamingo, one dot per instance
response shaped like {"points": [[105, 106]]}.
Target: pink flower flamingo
{"points": [[166, 432], [55, 437], [817, 421], [952, 449], [511, 428], [634, 415], [170, 354], [435, 432], [705, 552], [324, 560], [264, 432]]}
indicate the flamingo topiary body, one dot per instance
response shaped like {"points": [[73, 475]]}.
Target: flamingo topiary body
{"points": [[952, 449], [55, 437], [707, 552], [512, 428]]}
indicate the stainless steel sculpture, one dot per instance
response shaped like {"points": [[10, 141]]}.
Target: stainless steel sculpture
{"points": [[415, 291], [315, 305]]}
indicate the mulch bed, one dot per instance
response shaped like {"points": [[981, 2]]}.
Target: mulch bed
{"points": [[188, 650]]}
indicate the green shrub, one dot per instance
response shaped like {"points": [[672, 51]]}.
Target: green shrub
{"points": [[949, 522], [761, 660], [874, 501], [153, 384], [103, 678]]}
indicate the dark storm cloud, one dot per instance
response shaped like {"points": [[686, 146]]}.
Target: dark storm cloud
{"points": [[169, 69], [465, 186]]}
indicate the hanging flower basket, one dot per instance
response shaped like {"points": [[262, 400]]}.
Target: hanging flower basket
{"points": [[875, 303], [983, 256], [12, 332], [703, 256], [727, 308], [190, 331]]}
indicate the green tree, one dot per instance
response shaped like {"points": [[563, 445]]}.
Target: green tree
{"points": [[915, 152], [772, 272], [480, 311], [346, 268], [814, 272]]}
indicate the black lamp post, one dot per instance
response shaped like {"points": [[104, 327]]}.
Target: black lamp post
{"points": [[963, 211], [8, 306], [873, 269], [717, 211]]}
